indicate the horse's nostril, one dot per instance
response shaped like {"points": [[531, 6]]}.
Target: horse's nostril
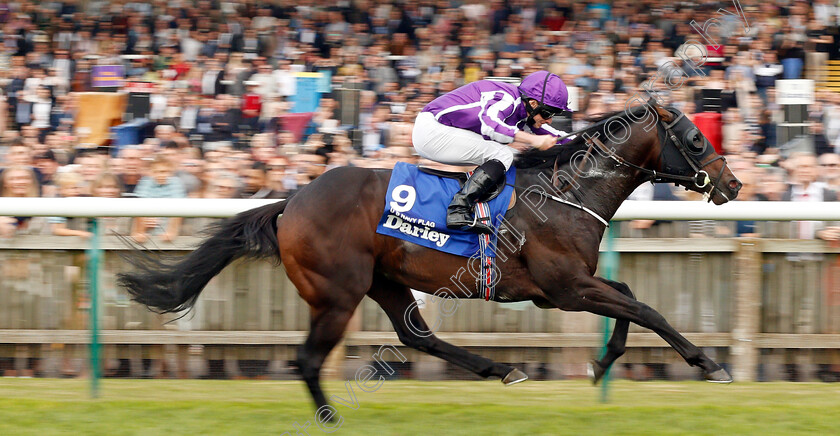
{"points": [[735, 185]]}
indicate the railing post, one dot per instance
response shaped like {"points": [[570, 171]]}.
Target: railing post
{"points": [[747, 310], [610, 273], [93, 290]]}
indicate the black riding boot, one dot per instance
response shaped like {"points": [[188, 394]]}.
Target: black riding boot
{"points": [[482, 182]]}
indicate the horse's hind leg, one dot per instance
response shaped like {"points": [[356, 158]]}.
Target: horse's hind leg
{"points": [[396, 300], [332, 303], [618, 340], [326, 330], [599, 298]]}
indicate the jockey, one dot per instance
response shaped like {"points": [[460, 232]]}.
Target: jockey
{"points": [[478, 124]]}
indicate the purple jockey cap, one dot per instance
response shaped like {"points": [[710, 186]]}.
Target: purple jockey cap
{"points": [[547, 89]]}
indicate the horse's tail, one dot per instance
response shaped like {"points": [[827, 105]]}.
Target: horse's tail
{"points": [[172, 285]]}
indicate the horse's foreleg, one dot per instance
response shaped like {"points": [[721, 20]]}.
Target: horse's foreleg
{"points": [[398, 303], [618, 340], [600, 298]]}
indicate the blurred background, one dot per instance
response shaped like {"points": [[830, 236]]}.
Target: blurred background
{"points": [[255, 99]]}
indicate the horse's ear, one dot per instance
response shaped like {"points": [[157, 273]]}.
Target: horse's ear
{"points": [[665, 114]]}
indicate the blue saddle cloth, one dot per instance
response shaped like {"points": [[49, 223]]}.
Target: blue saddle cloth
{"points": [[415, 211]]}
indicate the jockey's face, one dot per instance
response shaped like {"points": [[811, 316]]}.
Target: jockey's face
{"points": [[539, 121], [538, 118]]}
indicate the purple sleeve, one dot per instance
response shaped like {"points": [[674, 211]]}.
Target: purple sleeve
{"points": [[495, 109]]}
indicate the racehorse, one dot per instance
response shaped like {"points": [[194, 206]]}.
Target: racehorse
{"points": [[332, 253]]}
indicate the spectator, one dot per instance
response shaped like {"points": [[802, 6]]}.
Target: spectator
{"points": [[285, 79], [17, 181], [287, 144], [41, 108], [767, 130], [188, 116], [47, 166], [225, 184], [773, 184], [107, 185], [252, 103], [132, 168], [279, 180], [830, 171], [804, 188], [19, 154], [224, 123], [92, 165], [160, 183], [818, 138], [792, 55], [211, 80], [256, 183], [375, 133], [748, 175], [70, 184], [263, 82]]}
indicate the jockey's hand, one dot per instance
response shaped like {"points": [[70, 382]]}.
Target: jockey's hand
{"points": [[520, 146], [544, 142]]}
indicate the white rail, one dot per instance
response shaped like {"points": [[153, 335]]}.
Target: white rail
{"points": [[110, 207], [735, 211], [196, 207]]}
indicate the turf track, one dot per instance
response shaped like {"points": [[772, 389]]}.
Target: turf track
{"points": [[191, 407]]}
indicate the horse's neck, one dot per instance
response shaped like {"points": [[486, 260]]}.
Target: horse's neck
{"points": [[607, 184], [604, 191]]}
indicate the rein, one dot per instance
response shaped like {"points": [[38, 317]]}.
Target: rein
{"points": [[562, 201], [555, 178]]}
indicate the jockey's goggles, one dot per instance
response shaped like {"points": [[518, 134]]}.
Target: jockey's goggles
{"points": [[546, 111]]}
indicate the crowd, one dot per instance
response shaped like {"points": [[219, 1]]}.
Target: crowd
{"points": [[224, 76]]}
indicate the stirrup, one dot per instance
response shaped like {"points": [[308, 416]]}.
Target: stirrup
{"points": [[463, 223], [481, 227]]}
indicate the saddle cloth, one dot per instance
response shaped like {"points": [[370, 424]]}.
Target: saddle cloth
{"points": [[415, 211]]}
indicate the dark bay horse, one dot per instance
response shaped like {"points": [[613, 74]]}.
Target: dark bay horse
{"points": [[332, 253]]}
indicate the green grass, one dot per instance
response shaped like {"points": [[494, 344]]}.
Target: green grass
{"points": [[193, 407]]}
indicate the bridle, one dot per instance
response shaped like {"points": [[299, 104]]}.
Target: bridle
{"points": [[700, 179]]}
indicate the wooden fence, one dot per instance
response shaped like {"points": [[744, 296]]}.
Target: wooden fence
{"points": [[748, 301]]}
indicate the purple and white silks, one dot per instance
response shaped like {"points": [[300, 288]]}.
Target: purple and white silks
{"points": [[491, 109]]}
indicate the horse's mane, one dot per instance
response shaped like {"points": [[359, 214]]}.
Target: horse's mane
{"points": [[562, 153]]}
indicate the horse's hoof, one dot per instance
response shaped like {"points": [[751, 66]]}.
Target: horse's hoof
{"points": [[595, 371], [514, 377], [719, 376]]}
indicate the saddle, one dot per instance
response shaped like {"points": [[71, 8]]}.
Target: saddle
{"points": [[462, 177]]}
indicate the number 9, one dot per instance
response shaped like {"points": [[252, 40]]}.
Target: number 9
{"points": [[404, 197]]}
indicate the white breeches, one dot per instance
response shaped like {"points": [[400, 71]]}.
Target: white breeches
{"points": [[454, 146]]}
